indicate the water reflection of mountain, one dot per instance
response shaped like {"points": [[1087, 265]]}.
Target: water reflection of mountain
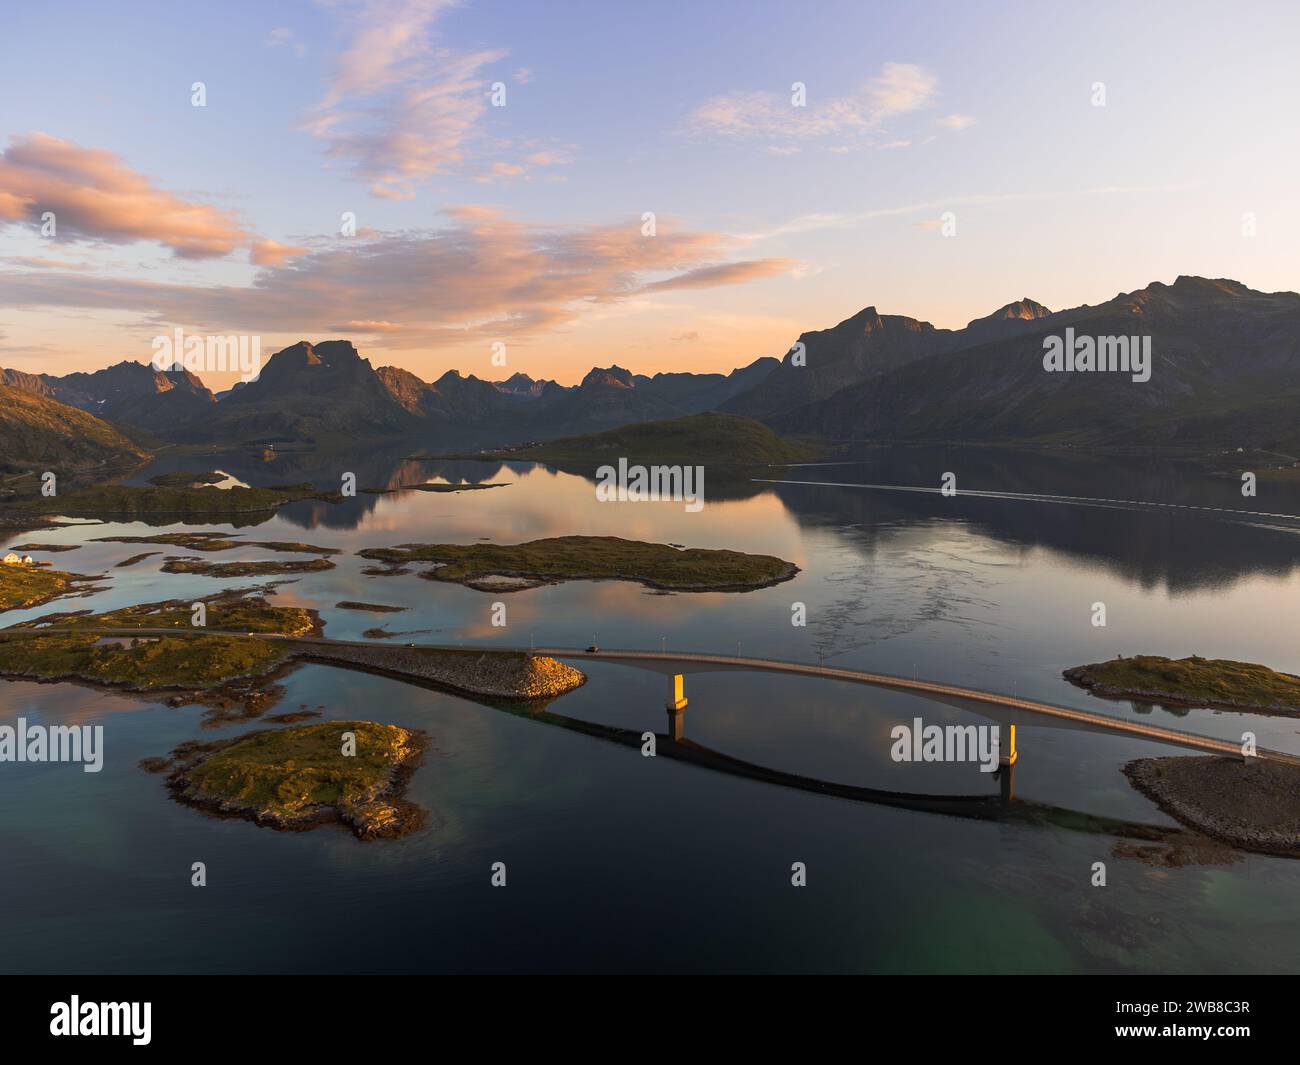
{"points": [[380, 468], [1181, 549]]}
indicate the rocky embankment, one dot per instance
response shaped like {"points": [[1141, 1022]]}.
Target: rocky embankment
{"points": [[1251, 804], [496, 674]]}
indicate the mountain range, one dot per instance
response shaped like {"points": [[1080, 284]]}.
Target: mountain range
{"points": [[1225, 373]]}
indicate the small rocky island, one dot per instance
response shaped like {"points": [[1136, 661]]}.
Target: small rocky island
{"points": [[1194, 681], [297, 778], [513, 567], [200, 541], [263, 568], [23, 586]]}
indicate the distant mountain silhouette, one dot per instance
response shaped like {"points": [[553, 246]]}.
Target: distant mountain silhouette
{"points": [[1225, 373], [130, 393], [868, 345]]}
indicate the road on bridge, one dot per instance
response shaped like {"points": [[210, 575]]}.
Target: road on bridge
{"points": [[685, 662]]}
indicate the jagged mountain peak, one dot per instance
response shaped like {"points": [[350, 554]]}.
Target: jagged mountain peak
{"points": [[613, 375], [1023, 309]]}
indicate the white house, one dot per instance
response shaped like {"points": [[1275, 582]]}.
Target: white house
{"points": [[12, 560]]}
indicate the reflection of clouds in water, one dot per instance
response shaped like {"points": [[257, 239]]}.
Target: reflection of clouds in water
{"points": [[903, 586]]}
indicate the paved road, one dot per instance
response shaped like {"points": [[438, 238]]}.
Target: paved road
{"points": [[669, 662]]}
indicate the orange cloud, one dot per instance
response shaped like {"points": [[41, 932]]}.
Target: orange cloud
{"points": [[95, 196], [483, 275], [272, 253]]}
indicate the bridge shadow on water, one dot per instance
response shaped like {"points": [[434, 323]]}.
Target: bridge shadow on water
{"points": [[1158, 844]]}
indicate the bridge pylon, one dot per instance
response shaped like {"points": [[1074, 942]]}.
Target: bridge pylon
{"points": [[676, 706], [1007, 758]]}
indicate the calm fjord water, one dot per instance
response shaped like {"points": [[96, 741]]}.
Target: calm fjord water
{"points": [[618, 862]]}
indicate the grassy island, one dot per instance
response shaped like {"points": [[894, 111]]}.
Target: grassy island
{"points": [[24, 586], [217, 542], [1194, 681], [140, 664], [187, 479], [269, 567], [156, 661], [299, 777], [235, 611], [510, 567]]}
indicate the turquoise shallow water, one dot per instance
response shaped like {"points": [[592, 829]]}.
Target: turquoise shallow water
{"points": [[616, 862]]}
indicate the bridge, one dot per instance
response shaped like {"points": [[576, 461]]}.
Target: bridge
{"points": [[1007, 710]]}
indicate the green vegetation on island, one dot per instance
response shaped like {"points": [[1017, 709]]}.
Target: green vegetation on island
{"points": [[217, 542], [265, 568], [303, 776], [1194, 681], [215, 663], [510, 567], [26, 586], [142, 663], [230, 612], [373, 608], [186, 479], [711, 439]]}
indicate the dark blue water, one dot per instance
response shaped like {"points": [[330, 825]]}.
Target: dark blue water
{"points": [[618, 862]]}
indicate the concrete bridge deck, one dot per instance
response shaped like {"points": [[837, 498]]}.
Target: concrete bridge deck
{"points": [[999, 707]]}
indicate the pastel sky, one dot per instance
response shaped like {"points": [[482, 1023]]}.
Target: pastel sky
{"points": [[522, 224]]}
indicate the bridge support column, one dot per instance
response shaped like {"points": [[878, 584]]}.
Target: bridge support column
{"points": [[676, 724], [676, 706], [1007, 758]]}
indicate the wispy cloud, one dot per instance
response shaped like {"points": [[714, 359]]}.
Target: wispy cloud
{"points": [[400, 107], [957, 121], [809, 223], [284, 37], [899, 88]]}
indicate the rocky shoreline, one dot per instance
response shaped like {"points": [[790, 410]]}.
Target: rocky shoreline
{"points": [[494, 674], [1250, 804]]}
